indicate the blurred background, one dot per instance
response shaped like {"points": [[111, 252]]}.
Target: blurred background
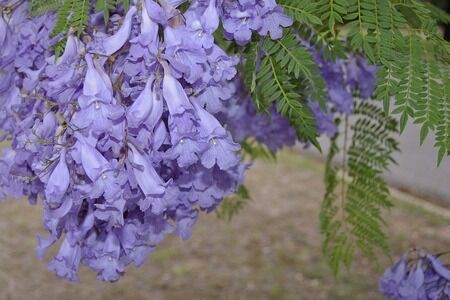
{"points": [[270, 250]]}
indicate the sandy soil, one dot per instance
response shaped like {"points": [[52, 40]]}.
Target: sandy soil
{"points": [[271, 250]]}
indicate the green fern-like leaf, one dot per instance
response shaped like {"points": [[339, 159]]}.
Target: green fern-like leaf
{"points": [[371, 23], [40, 7], [302, 11], [105, 6], [285, 75], [437, 13], [324, 42], [80, 16], [410, 75], [387, 82], [73, 14], [329, 210], [332, 12], [253, 150], [252, 58], [384, 36], [125, 4], [232, 205], [351, 214], [402, 38], [63, 17], [443, 128], [428, 112], [275, 85], [298, 62]]}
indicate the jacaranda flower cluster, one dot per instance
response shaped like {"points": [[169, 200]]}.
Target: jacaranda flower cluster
{"points": [[133, 130], [417, 276]]}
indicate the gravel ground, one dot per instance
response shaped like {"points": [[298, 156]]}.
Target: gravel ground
{"points": [[271, 250]]}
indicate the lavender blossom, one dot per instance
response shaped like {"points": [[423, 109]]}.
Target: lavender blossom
{"points": [[111, 44], [417, 275], [58, 182]]}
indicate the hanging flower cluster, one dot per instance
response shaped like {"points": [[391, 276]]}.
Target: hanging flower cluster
{"points": [[416, 276], [132, 131]]}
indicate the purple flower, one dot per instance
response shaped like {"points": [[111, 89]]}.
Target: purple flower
{"points": [[392, 277], [324, 119], [149, 29], [79, 225], [273, 23], [144, 47], [44, 244], [111, 212], [31, 79], [156, 12], [56, 213], [439, 267], [92, 161], [108, 184], [175, 3], [132, 243], [151, 184], [221, 149], [339, 94], [107, 259], [67, 262], [214, 98], [97, 106], [186, 57], [112, 44], [46, 130], [239, 22], [176, 99], [202, 26], [222, 66], [158, 228], [362, 75], [64, 76], [412, 286], [186, 150], [419, 276], [96, 83], [3, 30], [185, 221], [244, 121], [147, 108], [58, 182]]}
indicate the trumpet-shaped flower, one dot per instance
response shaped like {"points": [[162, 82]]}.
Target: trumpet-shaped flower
{"points": [[111, 44], [58, 182]]}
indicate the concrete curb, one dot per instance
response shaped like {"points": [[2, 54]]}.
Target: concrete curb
{"points": [[422, 203]]}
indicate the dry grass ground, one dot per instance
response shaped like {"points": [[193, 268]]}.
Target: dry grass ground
{"points": [[271, 250]]}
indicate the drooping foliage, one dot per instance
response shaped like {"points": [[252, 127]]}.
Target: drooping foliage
{"points": [[351, 216]]}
